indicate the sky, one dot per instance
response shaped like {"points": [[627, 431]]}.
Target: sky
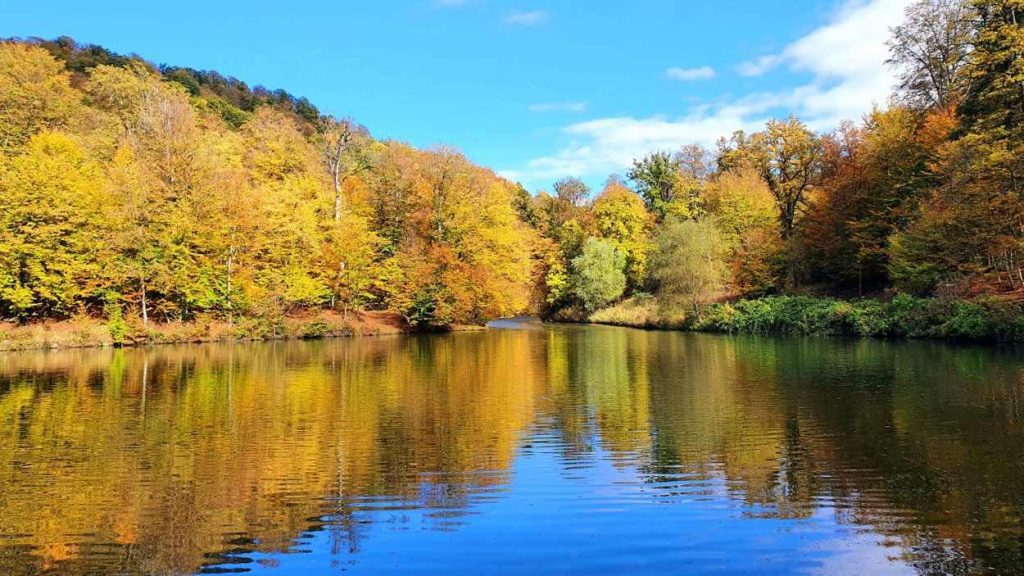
{"points": [[535, 89]]}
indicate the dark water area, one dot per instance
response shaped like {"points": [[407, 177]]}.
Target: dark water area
{"points": [[524, 449]]}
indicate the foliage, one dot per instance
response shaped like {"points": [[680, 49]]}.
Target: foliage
{"points": [[35, 94], [788, 156], [599, 277], [665, 188], [904, 316], [687, 264], [620, 217], [50, 193], [192, 197]]}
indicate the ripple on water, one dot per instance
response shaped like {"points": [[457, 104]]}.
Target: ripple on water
{"points": [[515, 451]]}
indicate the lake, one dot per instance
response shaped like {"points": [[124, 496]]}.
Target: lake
{"points": [[524, 449]]}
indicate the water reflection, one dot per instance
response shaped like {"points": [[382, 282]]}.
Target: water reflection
{"points": [[572, 449]]}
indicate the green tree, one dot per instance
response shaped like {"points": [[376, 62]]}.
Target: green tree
{"points": [[598, 277], [686, 266], [664, 187]]}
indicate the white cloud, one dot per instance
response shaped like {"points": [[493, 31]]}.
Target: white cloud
{"points": [[848, 75], [532, 18], [759, 66], [688, 74], [853, 43], [559, 107]]}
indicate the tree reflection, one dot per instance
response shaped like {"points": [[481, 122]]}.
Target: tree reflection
{"points": [[169, 459]]}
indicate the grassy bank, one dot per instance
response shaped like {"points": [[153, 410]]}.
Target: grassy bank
{"points": [[86, 332], [979, 320]]}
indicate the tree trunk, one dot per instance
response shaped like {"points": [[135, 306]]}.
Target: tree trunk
{"points": [[337, 195], [145, 308]]}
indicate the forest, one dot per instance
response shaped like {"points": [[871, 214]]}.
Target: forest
{"points": [[136, 194]]}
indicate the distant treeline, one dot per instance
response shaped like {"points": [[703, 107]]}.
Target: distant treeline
{"points": [[233, 99]]}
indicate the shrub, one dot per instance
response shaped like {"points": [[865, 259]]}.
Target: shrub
{"points": [[315, 330], [903, 316], [969, 322], [115, 321]]}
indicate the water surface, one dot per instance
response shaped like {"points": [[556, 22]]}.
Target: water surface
{"points": [[525, 449]]}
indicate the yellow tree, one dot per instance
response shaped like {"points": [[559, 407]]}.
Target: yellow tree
{"points": [[35, 94], [621, 217], [157, 183], [743, 211], [287, 181], [788, 156], [463, 252], [49, 236]]}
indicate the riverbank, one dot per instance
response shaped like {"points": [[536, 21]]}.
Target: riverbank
{"points": [[87, 332], [987, 319]]}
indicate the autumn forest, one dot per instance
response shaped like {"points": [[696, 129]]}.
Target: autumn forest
{"points": [[137, 195]]}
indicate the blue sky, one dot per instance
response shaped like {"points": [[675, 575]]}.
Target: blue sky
{"points": [[536, 89]]}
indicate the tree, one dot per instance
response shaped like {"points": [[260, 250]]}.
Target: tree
{"points": [[686, 266], [788, 157], [462, 252], [970, 226], [663, 186], [743, 211], [993, 111], [931, 50], [352, 265], [572, 192], [598, 277], [695, 162], [874, 180], [343, 142], [288, 181], [183, 192], [35, 94], [620, 217], [155, 179], [50, 240]]}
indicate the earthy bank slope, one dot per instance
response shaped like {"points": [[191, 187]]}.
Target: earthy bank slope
{"points": [[87, 332]]}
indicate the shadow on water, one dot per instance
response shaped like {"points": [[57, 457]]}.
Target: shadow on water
{"points": [[526, 447]]}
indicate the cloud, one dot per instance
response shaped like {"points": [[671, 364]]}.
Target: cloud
{"points": [[845, 59], [689, 74], [759, 66], [559, 107], [853, 43], [532, 18]]}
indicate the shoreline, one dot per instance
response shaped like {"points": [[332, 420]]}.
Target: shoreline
{"points": [[989, 320], [88, 332]]}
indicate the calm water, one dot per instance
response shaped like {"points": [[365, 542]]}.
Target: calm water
{"points": [[521, 450]]}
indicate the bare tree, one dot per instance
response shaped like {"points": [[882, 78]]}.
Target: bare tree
{"points": [[695, 161], [930, 51], [343, 144]]}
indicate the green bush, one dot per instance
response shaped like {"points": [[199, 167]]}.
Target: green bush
{"points": [[903, 316], [115, 321], [969, 322], [315, 330]]}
